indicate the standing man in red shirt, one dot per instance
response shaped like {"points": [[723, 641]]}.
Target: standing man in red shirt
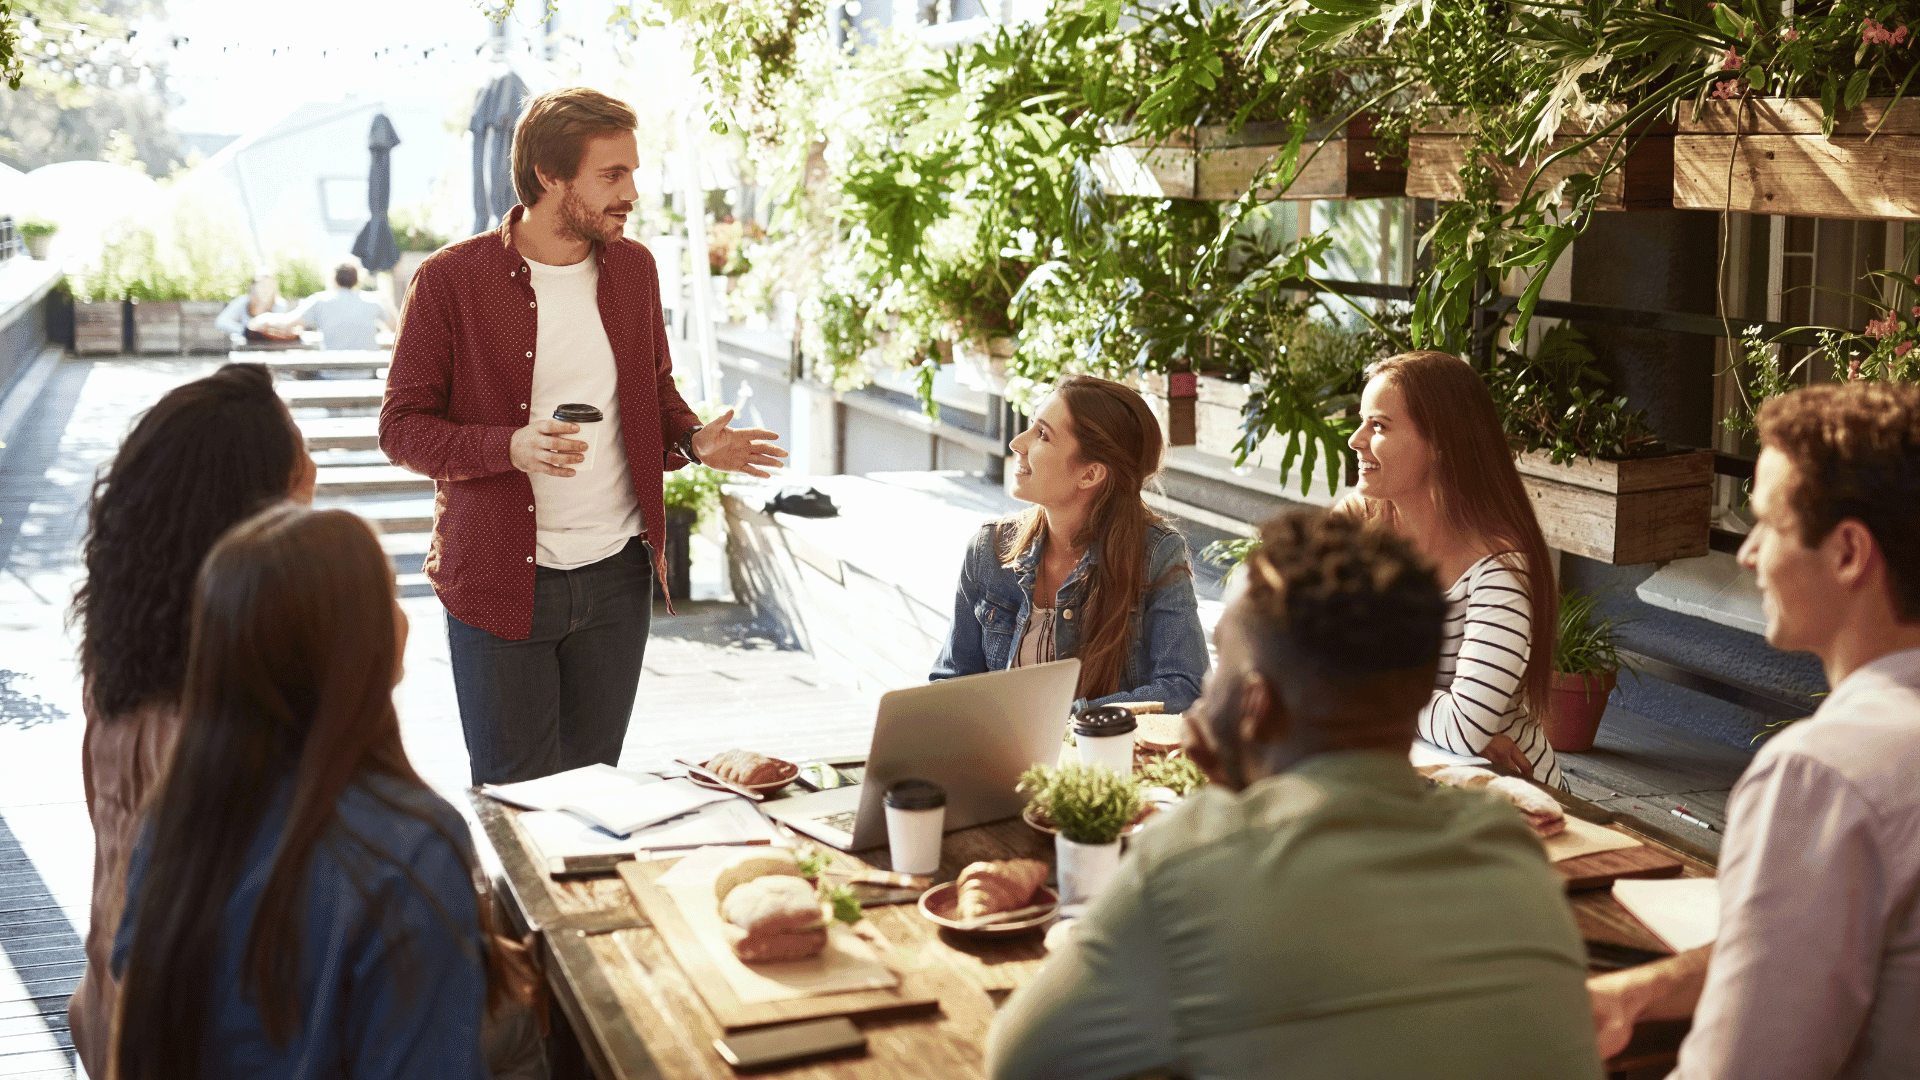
{"points": [[540, 555]]}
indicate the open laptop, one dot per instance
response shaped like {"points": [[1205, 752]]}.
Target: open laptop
{"points": [[973, 736]]}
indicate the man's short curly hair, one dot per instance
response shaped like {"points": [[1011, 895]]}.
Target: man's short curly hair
{"points": [[1346, 599], [1855, 448]]}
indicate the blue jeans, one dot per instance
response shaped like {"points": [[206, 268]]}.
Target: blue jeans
{"points": [[561, 698]]}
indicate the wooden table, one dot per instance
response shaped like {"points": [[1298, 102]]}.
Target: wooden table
{"points": [[637, 1016]]}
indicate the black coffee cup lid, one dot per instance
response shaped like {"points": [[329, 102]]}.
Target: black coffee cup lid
{"points": [[1101, 721], [916, 795], [576, 413]]}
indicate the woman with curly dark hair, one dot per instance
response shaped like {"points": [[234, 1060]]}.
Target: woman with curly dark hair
{"points": [[207, 456]]}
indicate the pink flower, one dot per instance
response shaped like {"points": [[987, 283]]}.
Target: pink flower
{"points": [[1871, 32], [1916, 311], [1853, 368], [1790, 34], [1727, 88], [1732, 61], [1879, 328], [1901, 349]]}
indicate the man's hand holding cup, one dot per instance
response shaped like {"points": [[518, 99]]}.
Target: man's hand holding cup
{"points": [[542, 447]]}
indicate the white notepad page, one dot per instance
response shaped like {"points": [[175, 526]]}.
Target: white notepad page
{"points": [[1682, 912]]}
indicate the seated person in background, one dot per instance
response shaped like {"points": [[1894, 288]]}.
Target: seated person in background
{"points": [[300, 903], [262, 298], [1090, 571], [1816, 970], [208, 455], [1436, 468], [1318, 910], [346, 317]]}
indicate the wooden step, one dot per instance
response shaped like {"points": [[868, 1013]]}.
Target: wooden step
{"points": [[341, 432], [387, 516], [369, 480], [312, 360], [332, 393]]}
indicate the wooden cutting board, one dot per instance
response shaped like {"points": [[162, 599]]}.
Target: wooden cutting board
{"points": [[1598, 870], [914, 991]]}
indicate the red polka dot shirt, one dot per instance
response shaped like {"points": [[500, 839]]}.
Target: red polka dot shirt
{"points": [[459, 387]]}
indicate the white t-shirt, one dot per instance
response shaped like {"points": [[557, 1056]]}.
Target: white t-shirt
{"points": [[590, 515]]}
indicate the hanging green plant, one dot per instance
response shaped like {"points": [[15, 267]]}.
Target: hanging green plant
{"points": [[1557, 401]]}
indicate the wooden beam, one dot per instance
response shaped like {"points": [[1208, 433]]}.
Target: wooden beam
{"points": [[1849, 176]]}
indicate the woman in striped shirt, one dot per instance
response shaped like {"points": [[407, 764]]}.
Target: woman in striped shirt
{"points": [[1436, 467]]}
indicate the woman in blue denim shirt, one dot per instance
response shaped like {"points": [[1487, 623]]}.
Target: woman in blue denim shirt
{"points": [[1090, 571], [300, 904]]}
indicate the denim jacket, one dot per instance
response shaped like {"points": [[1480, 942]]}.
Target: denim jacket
{"points": [[1168, 655]]}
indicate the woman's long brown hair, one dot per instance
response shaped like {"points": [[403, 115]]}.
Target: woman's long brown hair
{"points": [[1476, 487], [207, 455], [1113, 427], [289, 677]]}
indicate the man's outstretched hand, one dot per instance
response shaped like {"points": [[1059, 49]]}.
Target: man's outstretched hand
{"points": [[747, 450]]}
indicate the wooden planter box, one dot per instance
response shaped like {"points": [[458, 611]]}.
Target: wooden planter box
{"points": [[1211, 163], [1437, 153], [97, 328], [197, 332], [1768, 157], [1210, 418], [156, 327], [1623, 512]]}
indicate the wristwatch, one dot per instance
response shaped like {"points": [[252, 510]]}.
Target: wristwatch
{"points": [[685, 446]]}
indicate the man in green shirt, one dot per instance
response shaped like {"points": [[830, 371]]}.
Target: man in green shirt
{"points": [[1318, 910]]}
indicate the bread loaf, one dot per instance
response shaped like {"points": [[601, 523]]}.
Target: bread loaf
{"points": [[1466, 776], [1541, 810], [748, 865], [745, 767], [774, 918], [1002, 885]]}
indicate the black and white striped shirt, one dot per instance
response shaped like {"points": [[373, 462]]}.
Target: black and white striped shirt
{"points": [[1483, 659]]}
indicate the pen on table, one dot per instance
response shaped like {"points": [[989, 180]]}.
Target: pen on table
{"points": [[604, 862], [711, 843], [1690, 819]]}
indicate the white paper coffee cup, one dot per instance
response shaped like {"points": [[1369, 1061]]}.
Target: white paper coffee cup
{"points": [[1104, 735], [589, 418], [916, 819]]}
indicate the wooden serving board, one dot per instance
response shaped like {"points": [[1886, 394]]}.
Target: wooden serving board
{"points": [[914, 991], [1598, 870]]}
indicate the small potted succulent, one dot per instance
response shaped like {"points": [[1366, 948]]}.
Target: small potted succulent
{"points": [[38, 233], [1586, 665], [1091, 806]]}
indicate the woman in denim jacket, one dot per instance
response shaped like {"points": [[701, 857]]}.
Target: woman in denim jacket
{"points": [[1089, 571]]}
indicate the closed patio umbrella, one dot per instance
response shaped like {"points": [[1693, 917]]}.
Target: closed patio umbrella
{"points": [[374, 247], [495, 111]]}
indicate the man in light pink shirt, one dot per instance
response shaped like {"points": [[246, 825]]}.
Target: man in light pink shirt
{"points": [[1816, 970]]}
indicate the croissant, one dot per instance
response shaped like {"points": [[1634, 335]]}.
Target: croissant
{"points": [[1001, 885], [747, 767]]}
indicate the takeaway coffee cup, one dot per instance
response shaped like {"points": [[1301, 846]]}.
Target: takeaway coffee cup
{"points": [[916, 816], [1104, 734], [586, 416]]}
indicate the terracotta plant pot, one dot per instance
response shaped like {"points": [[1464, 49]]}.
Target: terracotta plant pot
{"points": [[1576, 704]]}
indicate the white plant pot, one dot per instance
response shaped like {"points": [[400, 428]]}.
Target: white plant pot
{"points": [[1084, 869]]}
